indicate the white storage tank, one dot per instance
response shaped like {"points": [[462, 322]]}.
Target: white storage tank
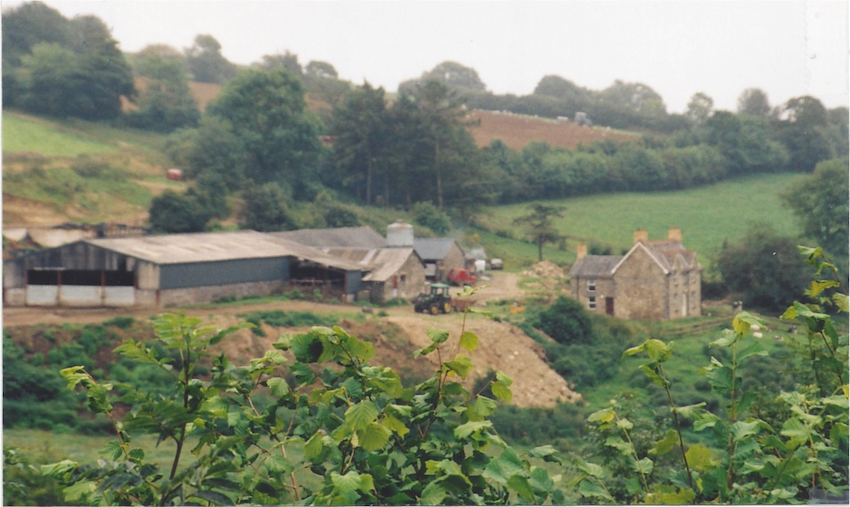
{"points": [[400, 234]]}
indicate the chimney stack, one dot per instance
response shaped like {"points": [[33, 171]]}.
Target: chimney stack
{"points": [[581, 251], [641, 235], [675, 234]]}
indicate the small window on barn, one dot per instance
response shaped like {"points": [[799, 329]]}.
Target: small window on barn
{"points": [[591, 302], [591, 285]]}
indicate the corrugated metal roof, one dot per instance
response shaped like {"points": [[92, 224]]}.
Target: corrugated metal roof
{"points": [[595, 265], [430, 249], [340, 237], [214, 246], [383, 262]]}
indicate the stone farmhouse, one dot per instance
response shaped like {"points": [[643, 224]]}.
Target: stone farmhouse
{"points": [[655, 280]]}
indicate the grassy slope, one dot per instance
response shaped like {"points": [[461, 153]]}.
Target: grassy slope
{"points": [[706, 215], [91, 172]]}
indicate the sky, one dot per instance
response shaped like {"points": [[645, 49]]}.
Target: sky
{"points": [[788, 48]]}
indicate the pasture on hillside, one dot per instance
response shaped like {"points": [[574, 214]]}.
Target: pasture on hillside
{"points": [[707, 215]]}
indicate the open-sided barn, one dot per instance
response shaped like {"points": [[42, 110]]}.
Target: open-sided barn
{"points": [[170, 270]]}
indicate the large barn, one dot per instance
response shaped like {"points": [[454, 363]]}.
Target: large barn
{"points": [[171, 270]]}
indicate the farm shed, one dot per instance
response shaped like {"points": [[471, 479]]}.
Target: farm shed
{"points": [[393, 272], [440, 255], [169, 270], [340, 237], [654, 280]]}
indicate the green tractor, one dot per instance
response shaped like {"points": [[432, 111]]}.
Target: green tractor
{"points": [[437, 301]]}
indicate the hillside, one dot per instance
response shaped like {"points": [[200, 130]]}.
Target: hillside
{"points": [[707, 216], [516, 131]]}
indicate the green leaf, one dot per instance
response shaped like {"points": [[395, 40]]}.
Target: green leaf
{"points": [[591, 489], [544, 452], [213, 497], [520, 484], [819, 286], [437, 335], [307, 348], [362, 414], [279, 465], [469, 341], [602, 416], [743, 429], [699, 458], [591, 469], [278, 387], [645, 466], [348, 483], [656, 379], [480, 409], [621, 445], [743, 322], [658, 351], [433, 494], [59, 469], [705, 420], [635, 350], [467, 429], [842, 302], [666, 444], [754, 348], [373, 437], [502, 392], [77, 491], [796, 431], [314, 447], [393, 424], [461, 365], [539, 480]]}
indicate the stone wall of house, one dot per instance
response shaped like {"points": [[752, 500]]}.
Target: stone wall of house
{"points": [[592, 292], [641, 288]]}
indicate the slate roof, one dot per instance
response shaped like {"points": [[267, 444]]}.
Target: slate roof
{"points": [[663, 251], [215, 246], [383, 262], [595, 265], [340, 237], [433, 249]]}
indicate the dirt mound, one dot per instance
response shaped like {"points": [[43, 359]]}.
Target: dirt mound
{"points": [[501, 346], [545, 269]]}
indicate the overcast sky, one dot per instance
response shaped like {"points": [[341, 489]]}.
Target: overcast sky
{"points": [[787, 48]]}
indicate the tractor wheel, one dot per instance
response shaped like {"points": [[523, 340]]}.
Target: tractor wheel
{"points": [[434, 309], [447, 307]]}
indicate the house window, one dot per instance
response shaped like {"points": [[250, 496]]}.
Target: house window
{"points": [[591, 285], [591, 302]]}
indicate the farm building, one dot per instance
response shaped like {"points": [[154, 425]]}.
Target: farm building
{"points": [[393, 272], [170, 270], [440, 255], [654, 280], [340, 237]]}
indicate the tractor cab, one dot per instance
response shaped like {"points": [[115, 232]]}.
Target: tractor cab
{"points": [[436, 302]]}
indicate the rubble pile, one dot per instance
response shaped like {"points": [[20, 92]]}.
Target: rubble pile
{"points": [[545, 269]]}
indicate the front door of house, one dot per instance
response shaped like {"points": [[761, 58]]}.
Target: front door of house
{"points": [[609, 306]]}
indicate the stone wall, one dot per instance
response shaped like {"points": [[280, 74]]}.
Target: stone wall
{"points": [[641, 288], [195, 295]]}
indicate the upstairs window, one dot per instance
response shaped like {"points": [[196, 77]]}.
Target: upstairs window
{"points": [[591, 285], [591, 302]]}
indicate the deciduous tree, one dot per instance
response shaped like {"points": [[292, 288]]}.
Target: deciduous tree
{"points": [[206, 63], [266, 112]]}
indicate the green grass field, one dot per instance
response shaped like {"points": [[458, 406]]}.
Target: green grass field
{"points": [[29, 134], [707, 215]]}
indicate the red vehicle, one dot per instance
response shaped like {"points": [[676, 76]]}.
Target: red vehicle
{"points": [[461, 277]]}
